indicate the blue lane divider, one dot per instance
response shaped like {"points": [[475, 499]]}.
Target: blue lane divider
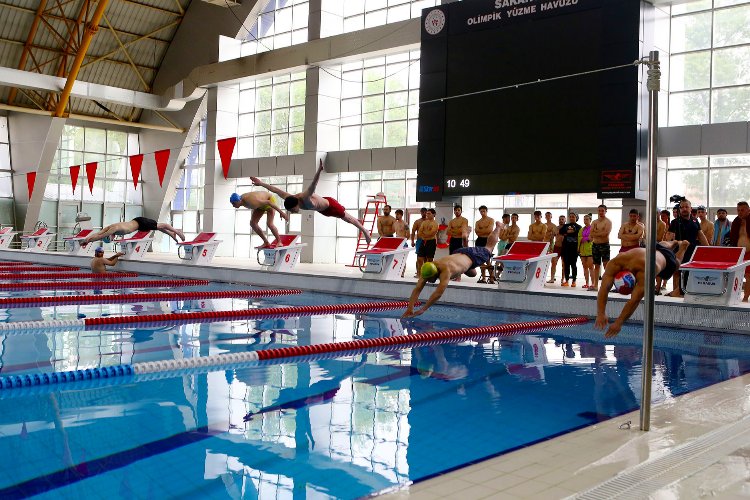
{"points": [[51, 378]]}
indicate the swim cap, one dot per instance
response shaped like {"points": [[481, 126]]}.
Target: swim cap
{"points": [[624, 282], [106, 239], [234, 198], [429, 270], [99, 249]]}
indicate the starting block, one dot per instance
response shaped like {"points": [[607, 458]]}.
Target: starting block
{"points": [[136, 246], [6, 236], [281, 256], [525, 266], [386, 259], [74, 245], [38, 241], [199, 251], [716, 275]]}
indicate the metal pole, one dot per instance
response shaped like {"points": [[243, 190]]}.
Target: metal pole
{"points": [[652, 84]]}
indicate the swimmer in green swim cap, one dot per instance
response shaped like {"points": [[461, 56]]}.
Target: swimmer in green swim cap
{"points": [[463, 261], [261, 203]]}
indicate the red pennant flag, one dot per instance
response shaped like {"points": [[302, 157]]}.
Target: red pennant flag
{"points": [[30, 180], [91, 174], [162, 158], [226, 148], [136, 161], [74, 171]]}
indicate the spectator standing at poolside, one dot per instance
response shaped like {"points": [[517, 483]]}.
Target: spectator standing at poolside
{"points": [[664, 217], [585, 249], [600, 249], [684, 228], [538, 229], [415, 232], [661, 231], [706, 226], [482, 228], [722, 228], [458, 230], [550, 236], [557, 248], [427, 233], [401, 229], [570, 249], [739, 236], [631, 232], [385, 222], [503, 244]]}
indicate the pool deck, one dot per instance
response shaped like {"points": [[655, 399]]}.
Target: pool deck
{"points": [[698, 445]]}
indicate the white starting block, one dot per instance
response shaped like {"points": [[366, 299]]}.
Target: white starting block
{"points": [[524, 266], [199, 251], [386, 259], [136, 246], [281, 256], [38, 241], [716, 275], [75, 246], [6, 236]]}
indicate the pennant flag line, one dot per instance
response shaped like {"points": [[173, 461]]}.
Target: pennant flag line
{"points": [[30, 180], [74, 171], [226, 148], [162, 158], [91, 174], [136, 162]]}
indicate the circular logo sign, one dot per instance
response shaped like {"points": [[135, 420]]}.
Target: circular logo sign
{"points": [[434, 22]]}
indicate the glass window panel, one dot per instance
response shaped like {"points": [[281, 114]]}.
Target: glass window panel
{"points": [[352, 7], [690, 71], [297, 118], [295, 223], [377, 18], [731, 66], [687, 7], [281, 95], [397, 77], [279, 144], [297, 93], [730, 161], [688, 183], [280, 122], [730, 105], [247, 101], [193, 198], [399, 13], [262, 122], [372, 109], [351, 112], [687, 162], [395, 192], [395, 106], [133, 196], [4, 129], [395, 134], [348, 194], [728, 186], [374, 80], [116, 168], [519, 201], [5, 157], [372, 136], [6, 185], [413, 130], [283, 20], [246, 125], [691, 32], [242, 221], [117, 142], [355, 23], [264, 98], [296, 143], [263, 146], [350, 138], [51, 189], [300, 15], [688, 108], [98, 192], [96, 140], [732, 26], [582, 200], [299, 36]]}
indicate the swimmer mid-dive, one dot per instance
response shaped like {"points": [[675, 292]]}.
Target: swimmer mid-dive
{"points": [[667, 263], [308, 200], [463, 261], [131, 226], [260, 202]]}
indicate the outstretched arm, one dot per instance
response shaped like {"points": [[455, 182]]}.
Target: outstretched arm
{"points": [[436, 294], [282, 213], [273, 189], [113, 260], [627, 310], [414, 297], [311, 188], [601, 301]]}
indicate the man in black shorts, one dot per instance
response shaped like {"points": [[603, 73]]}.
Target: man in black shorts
{"points": [[463, 261], [131, 226], [427, 232]]}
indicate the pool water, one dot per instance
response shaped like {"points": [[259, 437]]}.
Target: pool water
{"points": [[330, 428]]}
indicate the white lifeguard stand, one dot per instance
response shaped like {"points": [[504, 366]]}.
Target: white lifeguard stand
{"points": [[716, 275], [6, 236], [525, 266], [199, 251], [38, 241], [386, 259], [281, 255], [136, 246]]}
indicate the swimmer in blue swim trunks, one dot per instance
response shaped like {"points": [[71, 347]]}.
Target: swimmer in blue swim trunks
{"points": [[131, 226], [462, 261]]}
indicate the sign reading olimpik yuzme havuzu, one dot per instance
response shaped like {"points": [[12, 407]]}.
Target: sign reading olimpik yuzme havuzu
{"points": [[533, 96]]}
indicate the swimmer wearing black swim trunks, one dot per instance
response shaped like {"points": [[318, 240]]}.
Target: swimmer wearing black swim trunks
{"points": [[131, 226], [146, 224]]}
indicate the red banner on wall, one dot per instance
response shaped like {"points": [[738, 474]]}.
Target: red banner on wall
{"points": [[226, 148], [30, 180], [74, 171], [136, 161], [91, 174], [162, 158]]}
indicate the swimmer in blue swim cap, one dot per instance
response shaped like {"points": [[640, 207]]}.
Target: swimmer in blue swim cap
{"points": [[462, 261], [261, 203], [106, 239]]}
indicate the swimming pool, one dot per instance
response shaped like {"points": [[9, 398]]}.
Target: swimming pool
{"points": [[342, 428]]}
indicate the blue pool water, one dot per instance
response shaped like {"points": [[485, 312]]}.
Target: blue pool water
{"points": [[334, 428]]}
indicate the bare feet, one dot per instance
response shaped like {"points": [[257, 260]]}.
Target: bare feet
{"points": [[179, 233]]}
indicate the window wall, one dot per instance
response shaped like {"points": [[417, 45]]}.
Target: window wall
{"points": [[713, 181], [272, 116], [281, 24], [710, 62], [379, 101], [344, 16], [7, 208]]}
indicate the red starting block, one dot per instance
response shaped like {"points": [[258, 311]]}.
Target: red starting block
{"points": [[716, 275], [525, 266]]}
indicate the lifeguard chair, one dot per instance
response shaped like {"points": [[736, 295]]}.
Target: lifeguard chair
{"points": [[75, 246], [716, 275], [136, 246], [386, 259], [525, 266], [6, 236], [199, 251], [38, 241], [281, 255]]}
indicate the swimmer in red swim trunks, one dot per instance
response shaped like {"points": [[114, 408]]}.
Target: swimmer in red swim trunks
{"points": [[308, 200]]}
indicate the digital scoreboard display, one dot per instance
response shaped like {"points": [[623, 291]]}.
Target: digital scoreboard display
{"points": [[497, 118]]}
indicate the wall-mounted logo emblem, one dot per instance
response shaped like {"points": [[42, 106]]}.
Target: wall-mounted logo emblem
{"points": [[434, 22]]}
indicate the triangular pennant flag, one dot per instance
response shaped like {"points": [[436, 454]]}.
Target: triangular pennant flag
{"points": [[226, 148], [136, 161], [74, 171], [91, 174], [162, 158], [30, 180]]}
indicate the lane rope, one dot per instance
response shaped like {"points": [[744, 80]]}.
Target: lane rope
{"points": [[19, 269], [60, 276], [40, 285], [175, 367]]}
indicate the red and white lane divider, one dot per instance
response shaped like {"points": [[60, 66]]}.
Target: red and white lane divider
{"points": [[67, 276], [40, 285], [20, 269], [142, 297]]}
